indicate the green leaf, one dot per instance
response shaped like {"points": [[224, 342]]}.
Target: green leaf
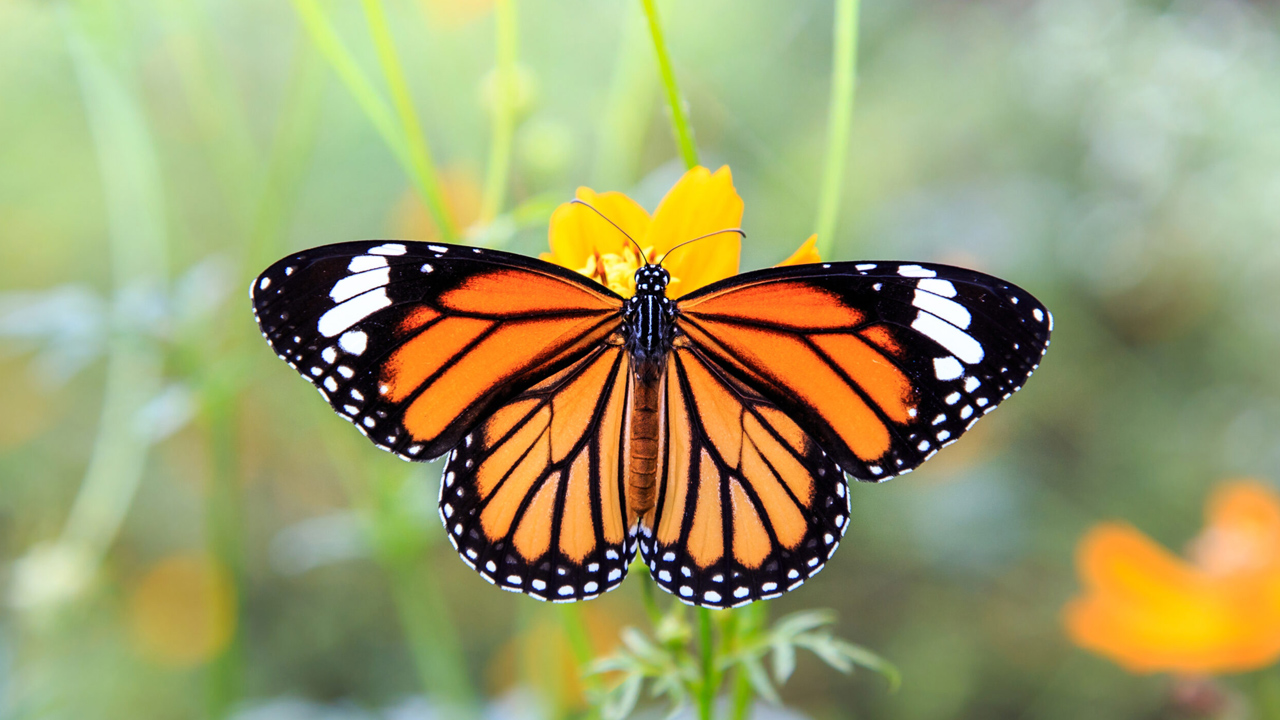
{"points": [[622, 699], [802, 622], [784, 661], [759, 680]]}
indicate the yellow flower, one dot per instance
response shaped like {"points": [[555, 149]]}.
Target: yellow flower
{"points": [[1150, 611], [702, 202]]}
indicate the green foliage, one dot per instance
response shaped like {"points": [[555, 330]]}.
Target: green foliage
{"points": [[667, 662]]}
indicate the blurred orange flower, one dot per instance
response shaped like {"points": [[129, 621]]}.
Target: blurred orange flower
{"points": [[1151, 611], [183, 611], [701, 202]]}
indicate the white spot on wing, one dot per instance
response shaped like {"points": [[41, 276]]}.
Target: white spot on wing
{"points": [[949, 310], [960, 343], [360, 283], [343, 316], [915, 271], [354, 341], [388, 249], [947, 368], [360, 263], [263, 284], [937, 287]]}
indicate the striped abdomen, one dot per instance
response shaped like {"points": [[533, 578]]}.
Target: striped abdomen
{"points": [[643, 441]]}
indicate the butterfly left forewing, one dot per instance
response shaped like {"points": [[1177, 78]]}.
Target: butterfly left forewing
{"points": [[531, 498], [414, 343], [750, 505]]}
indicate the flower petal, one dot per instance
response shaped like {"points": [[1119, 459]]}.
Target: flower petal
{"points": [[1243, 530], [1150, 611], [805, 254], [701, 202], [576, 232]]}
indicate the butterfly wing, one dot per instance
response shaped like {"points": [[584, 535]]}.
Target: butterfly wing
{"points": [[782, 378], [531, 498], [416, 343], [882, 363], [750, 506]]}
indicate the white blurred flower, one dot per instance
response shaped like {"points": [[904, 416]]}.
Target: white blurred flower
{"points": [[50, 574]]}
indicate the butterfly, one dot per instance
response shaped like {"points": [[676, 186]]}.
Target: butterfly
{"points": [[712, 433]]}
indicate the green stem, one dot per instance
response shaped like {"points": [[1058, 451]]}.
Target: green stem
{"points": [[423, 167], [138, 250], [844, 71], [710, 675], [679, 119], [401, 547], [750, 619], [290, 152], [225, 530], [416, 164], [647, 595], [504, 111], [575, 629], [633, 90], [401, 544]]}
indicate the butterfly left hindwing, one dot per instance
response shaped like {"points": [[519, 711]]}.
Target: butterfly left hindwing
{"points": [[531, 498]]}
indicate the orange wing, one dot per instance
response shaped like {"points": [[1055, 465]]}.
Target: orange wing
{"points": [[881, 363], [750, 505], [532, 498], [416, 343]]}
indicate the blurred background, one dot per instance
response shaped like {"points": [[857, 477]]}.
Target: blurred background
{"points": [[187, 531]]}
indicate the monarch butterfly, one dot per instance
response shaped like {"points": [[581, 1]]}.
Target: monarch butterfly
{"points": [[712, 433]]}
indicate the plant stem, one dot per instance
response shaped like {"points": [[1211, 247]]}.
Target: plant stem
{"points": [[138, 249], [423, 167], [504, 110], [633, 90], [401, 545], [575, 629], [225, 529], [710, 676], [416, 164], [844, 71], [647, 595], [749, 621], [679, 120]]}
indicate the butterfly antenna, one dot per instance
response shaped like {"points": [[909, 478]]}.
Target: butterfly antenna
{"points": [[703, 237], [640, 250]]}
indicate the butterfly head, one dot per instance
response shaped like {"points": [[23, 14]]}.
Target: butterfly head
{"points": [[652, 279]]}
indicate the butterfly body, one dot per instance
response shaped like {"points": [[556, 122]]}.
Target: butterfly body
{"points": [[712, 433]]}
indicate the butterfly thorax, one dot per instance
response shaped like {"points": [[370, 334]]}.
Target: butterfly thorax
{"points": [[649, 318]]}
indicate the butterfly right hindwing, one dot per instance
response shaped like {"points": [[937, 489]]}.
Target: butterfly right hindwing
{"points": [[750, 506]]}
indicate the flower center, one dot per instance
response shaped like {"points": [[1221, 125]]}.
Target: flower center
{"points": [[617, 271]]}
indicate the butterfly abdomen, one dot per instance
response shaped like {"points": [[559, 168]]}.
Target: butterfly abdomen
{"points": [[646, 424]]}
